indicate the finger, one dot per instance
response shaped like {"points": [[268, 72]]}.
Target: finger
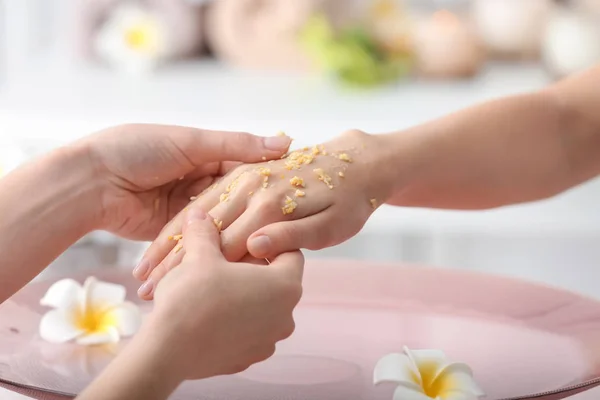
{"points": [[200, 236], [173, 259], [233, 239], [248, 259], [159, 248], [201, 146], [226, 212], [314, 233], [290, 264], [200, 239], [163, 244]]}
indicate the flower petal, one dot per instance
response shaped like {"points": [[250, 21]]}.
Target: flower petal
{"points": [[103, 295], [429, 364], [406, 393], [57, 326], [457, 377], [111, 335], [396, 368], [64, 294], [127, 317]]}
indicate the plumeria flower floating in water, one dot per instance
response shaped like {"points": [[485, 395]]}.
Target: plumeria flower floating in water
{"points": [[95, 313], [134, 39], [426, 375]]}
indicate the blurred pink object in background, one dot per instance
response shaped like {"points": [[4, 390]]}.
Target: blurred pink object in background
{"points": [[446, 45], [511, 28], [572, 40], [264, 33]]}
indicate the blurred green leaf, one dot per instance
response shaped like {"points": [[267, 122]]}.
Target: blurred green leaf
{"points": [[353, 56]]}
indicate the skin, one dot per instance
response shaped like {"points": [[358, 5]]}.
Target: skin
{"points": [[512, 150], [248, 307], [124, 180], [212, 316]]}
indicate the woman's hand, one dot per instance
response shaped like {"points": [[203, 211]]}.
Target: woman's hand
{"points": [[211, 317], [246, 307], [314, 198], [148, 172]]}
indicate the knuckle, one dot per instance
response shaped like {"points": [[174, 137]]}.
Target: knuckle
{"points": [[288, 329], [354, 134], [265, 353], [267, 207], [290, 293], [238, 368]]}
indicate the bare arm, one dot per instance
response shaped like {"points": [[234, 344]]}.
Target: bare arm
{"points": [[46, 206], [512, 150]]}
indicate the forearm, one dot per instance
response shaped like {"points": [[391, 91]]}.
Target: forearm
{"points": [[141, 371], [46, 206], [512, 150]]}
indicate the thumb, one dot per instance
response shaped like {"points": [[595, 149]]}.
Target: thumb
{"points": [[200, 235], [201, 146]]}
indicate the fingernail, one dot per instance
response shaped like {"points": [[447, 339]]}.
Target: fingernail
{"points": [[277, 143], [195, 214], [146, 288], [260, 245], [141, 269]]}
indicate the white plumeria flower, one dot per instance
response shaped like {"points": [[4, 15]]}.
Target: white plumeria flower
{"points": [[95, 313], [133, 40], [426, 375]]}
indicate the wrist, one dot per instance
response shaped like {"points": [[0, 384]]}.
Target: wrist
{"points": [[402, 161], [51, 203], [141, 370], [72, 174], [154, 355]]}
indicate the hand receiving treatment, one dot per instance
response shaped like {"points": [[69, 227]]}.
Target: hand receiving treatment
{"points": [[313, 198]]}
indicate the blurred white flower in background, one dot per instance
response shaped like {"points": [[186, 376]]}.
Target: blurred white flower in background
{"points": [[134, 39]]}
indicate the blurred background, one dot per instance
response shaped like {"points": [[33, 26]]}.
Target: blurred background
{"points": [[312, 68]]}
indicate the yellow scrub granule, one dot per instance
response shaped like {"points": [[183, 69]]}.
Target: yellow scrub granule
{"points": [[264, 171], [289, 206], [299, 193], [345, 157], [178, 248], [297, 159], [323, 177], [297, 181]]}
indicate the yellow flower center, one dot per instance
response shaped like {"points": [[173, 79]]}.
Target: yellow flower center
{"points": [[94, 320], [435, 388], [141, 37]]}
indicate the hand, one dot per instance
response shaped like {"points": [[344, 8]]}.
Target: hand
{"points": [[149, 172], [279, 206], [217, 317], [211, 317]]}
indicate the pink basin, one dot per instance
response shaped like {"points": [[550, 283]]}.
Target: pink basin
{"points": [[521, 339]]}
